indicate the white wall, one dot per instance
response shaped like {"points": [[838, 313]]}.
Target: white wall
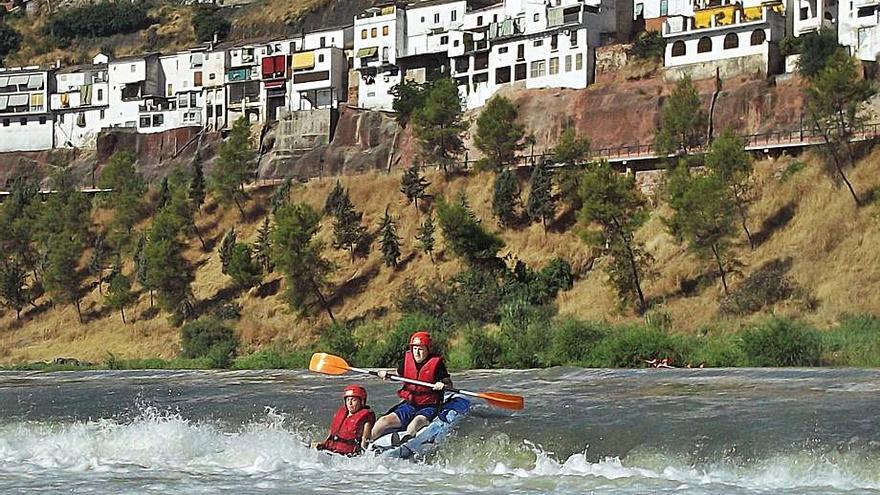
{"points": [[859, 29], [36, 135]]}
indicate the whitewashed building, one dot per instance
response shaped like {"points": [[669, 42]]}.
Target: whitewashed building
{"points": [[318, 79], [25, 117], [80, 103], [744, 43], [243, 86], [379, 32], [214, 90], [134, 81], [859, 29], [341, 37], [805, 16]]}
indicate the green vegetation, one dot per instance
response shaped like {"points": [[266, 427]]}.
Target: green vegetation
{"points": [[235, 166], [10, 40], [99, 20], [541, 205], [349, 232], [208, 22], [465, 236], [648, 45], [438, 123], [425, 235], [498, 135], [208, 338], [408, 96], [815, 49], [506, 199], [413, 185], [244, 270], [571, 148], [683, 121], [389, 240], [119, 294], [728, 159]]}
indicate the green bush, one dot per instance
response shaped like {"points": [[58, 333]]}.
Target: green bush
{"points": [[572, 341], [208, 338], [630, 347], [477, 349], [524, 334], [274, 359], [854, 342], [720, 351], [790, 45], [207, 21], [648, 45], [766, 286], [339, 339], [791, 169], [99, 20], [781, 342], [388, 352]]}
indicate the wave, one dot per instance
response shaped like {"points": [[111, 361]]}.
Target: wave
{"points": [[274, 446]]}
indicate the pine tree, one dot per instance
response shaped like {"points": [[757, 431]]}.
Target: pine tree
{"points": [[425, 236], [438, 124], [571, 149], [164, 194], [498, 135], [413, 185], [225, 250], [126, 199], [119, 294], [348, 231], [98, 259], [466, 237], [197, 184], [389, 240], [14, 292], [263, 246], [729, 159], [281, 195], [334, 199], [683, 121], [168, 271], [542, 202], [242, 268], [235, 165], [506, 198], [61, 277], [140, 263], [298, 255]]}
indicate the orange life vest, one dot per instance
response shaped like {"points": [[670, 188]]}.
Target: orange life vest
{"points": [[346, 431], [418, 395]]}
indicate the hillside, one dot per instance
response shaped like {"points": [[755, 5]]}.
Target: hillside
{"points": [[798, 214]]}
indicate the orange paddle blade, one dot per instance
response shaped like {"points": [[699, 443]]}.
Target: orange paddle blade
{"points": [[328, 364], [506, 401]]}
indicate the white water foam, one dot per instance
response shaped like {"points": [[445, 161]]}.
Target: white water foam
{"points": [[270, 449]]}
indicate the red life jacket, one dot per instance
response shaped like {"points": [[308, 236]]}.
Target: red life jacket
{"points": [[418, 395], [346, 431]]}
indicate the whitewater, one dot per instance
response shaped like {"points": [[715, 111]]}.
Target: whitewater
{"points": [[582, 431]]}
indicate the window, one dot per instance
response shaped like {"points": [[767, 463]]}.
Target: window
{"points": [[568, 63], [423, 19], [170, 90], [320, 57], [866, 11], [704, 45], [437, 18], [537, 17], [22, 121], [805, 13], [503, 49], [579, 61], [479, 20], [538, 68], [102, 114], [453, 16], [133, 67], [100, 94], [210, 111], [6, 122], [758, 37], [537, 43], [574, 39], [554, 42], [182, 101], [384, 30], [494, 17], [519, 72], [731, 41], [212, 77], [384, 53], [145, 121], [521, 52], [554, 66], [664, 8], [42, 120], [374, 32], [481, 78], [323, 41], [679, 49], [462, 64], [444, 40], [502, 75], [455, 43], [158, 120], [193, 97], [481, 61], [363, 34]]}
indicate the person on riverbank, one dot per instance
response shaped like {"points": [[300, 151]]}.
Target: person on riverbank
{"points": [[351, 426], [420, 404]]}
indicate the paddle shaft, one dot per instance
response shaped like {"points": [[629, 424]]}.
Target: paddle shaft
{"points": [[398, 378]]}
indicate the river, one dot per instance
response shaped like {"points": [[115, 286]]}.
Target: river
{"points": [[742, 431]]}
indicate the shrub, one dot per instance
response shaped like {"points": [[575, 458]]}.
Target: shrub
{"points": [[99, 20], [388, 352], [208, 338], [207, 21], [339, 339], [524, 332], [572, 341], [781, 342], [274, 359], [228, 311], [475, 349], [243, 268], [648, 45], [721, 351], [855, 342], [790, 45], [766, 286], [630, 347]]}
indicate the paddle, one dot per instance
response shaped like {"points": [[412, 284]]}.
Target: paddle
{"points": [[335, 365]]}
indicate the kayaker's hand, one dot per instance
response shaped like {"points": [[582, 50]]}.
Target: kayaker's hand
{"points": [[315, 445], [439, 386], [382, 374]]}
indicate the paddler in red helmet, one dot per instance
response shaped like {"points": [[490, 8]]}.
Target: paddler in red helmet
{"points": [[420, 403], [351, 426]]}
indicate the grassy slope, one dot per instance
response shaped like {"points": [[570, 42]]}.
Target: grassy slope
{"points": [[834, 247]]}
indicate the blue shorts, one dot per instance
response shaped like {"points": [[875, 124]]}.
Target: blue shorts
{"points": [[406, 412]]}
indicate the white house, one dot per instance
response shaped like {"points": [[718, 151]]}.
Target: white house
{"points": [[182, 103], [811, 15], [134, 80], [332, 37], [243, 87], [379, 32], [214, 89], [25, 117], [859, 29], [318, 79], [744, 45], [80, 103]]}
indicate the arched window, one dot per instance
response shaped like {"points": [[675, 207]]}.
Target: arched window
{"points": [[678, 49], [731, 41], [704, 45], [758, 37]]}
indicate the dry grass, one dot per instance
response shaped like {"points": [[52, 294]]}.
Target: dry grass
{"points": [[833, 245]]}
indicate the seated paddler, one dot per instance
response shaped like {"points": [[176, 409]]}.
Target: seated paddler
{"points": [[420, 404], [351, 425]]}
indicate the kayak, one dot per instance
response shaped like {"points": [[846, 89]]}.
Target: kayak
{"points": [[429, 437]]}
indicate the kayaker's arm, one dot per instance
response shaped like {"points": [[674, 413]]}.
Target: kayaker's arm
{"points": [[365, 439]]}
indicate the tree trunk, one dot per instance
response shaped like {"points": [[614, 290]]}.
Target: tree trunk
{"points": [[122, 311], [199, 235], [238, 205], [78, 311], [836, 159], [720, 269], [17, 313], [324, 303], [151, 298], [742, 215], [635, 269]]}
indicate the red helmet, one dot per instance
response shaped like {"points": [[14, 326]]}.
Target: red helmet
{"points": [[420, 338], [355, 391]]}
